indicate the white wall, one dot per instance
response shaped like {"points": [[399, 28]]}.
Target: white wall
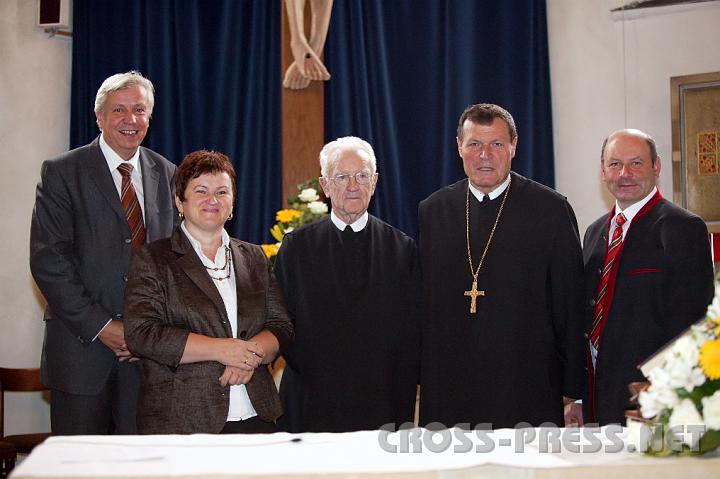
{"points": [[34, 124], [607, 73], [612, 71]]}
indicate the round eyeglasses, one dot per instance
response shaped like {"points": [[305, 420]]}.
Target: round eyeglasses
{"points": [[361, 177]]}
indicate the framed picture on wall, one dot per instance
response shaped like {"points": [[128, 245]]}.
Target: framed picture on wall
{"points": [[696, 145]]}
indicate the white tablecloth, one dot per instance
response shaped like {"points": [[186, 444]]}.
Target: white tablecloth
{"points": [[452, 453]]}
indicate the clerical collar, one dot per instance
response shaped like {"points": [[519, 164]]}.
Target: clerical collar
{"points": [[633, 209], [493, 194], [357, 226], [114, 160]]}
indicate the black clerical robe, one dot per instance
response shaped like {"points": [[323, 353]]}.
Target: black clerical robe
{"points": [[353, 298], [514, 359]]}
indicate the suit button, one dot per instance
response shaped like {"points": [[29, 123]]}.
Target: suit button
{"points": [[586, 336], [125, 278], [243, 334], [128, 240], [592, 302], [600, 271]]}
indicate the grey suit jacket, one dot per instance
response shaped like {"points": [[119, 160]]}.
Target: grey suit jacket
{"points": [[80, 256], [169, 295]]}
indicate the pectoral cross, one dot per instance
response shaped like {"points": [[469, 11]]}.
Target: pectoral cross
{"points": [[474, 293]]}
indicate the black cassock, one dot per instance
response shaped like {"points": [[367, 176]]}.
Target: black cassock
{"points": [[353, 297], [514, 359]]}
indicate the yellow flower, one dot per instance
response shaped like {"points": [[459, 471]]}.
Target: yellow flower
{"points": [[286, 216], [270, 249], [277, 232], [710, 358]]}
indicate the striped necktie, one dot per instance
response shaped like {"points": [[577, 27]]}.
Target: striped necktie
{"points": [[600, 307], [131, 206]]}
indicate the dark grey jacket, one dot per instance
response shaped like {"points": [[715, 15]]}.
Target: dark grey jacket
{"points": [[80, 256]]}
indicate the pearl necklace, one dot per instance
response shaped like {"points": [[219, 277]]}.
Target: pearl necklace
{"points": [[226, 268]]}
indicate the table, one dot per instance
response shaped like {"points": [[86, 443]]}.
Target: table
{"points": [[417, 453]]}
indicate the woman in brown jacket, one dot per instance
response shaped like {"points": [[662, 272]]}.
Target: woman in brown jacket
{"points": [[204, 314]]}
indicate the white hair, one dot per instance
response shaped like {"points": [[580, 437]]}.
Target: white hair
{"points": [[124, 80], [330, 153]]}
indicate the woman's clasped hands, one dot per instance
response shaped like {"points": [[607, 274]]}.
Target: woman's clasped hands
{"points": [[241, 358]]}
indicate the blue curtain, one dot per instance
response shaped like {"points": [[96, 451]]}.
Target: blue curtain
{"points": [[404, 70], [216, 70]]}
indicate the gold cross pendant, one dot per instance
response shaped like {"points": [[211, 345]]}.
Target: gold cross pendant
{"points": [[474, 293]]}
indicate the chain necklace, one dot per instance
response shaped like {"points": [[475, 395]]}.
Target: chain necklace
{"points": [[226, 268], [473, 292]]}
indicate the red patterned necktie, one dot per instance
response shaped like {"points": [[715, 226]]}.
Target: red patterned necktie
{"points": [[600, 307], [133, 213]]}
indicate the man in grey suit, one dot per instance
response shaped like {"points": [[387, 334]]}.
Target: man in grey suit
{"points": [[85, 226]]}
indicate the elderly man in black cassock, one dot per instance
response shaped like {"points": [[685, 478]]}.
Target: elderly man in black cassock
{"points": [[502, 288], [351, 283]]}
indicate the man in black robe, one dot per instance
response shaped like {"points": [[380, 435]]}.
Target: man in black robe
{"points": [[502, 288], [351, 283]]}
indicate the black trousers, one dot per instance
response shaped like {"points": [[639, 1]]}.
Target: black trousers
{"points": [[254, 425], [111, 411]]}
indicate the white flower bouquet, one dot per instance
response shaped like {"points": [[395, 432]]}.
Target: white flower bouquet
{"points": [[306, 207], [682, 402]]}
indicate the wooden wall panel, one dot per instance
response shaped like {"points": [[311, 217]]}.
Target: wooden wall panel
{"points": [[302, 122]]}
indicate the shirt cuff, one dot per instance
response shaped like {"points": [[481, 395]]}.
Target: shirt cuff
{"points": [[101, 330]]}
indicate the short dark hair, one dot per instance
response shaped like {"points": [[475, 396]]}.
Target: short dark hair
{"points": [[198, 163], [648, 139], [485, 114]]}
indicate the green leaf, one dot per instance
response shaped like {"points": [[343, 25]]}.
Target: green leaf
{"points": [[709, 441]]}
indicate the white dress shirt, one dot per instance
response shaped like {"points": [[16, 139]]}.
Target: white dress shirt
{"points": [[630, 212], [240, 405], [114, 160]]}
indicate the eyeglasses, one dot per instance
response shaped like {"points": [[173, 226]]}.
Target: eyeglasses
{"points": [[361, 177]]}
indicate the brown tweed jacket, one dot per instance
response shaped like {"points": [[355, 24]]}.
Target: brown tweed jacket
{"points": [[169, 295]]}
